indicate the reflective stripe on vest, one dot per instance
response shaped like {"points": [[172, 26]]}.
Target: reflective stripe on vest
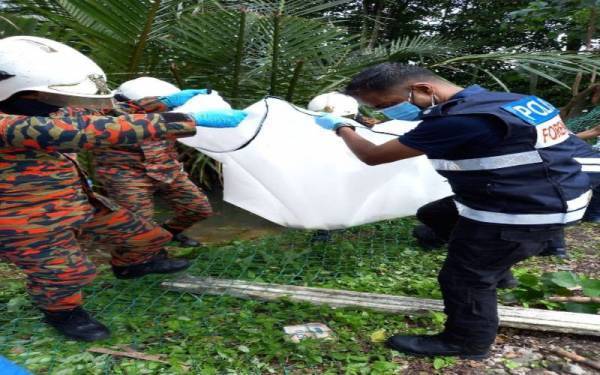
{"points": [[576, 210], [589, 164], [492, 162]]}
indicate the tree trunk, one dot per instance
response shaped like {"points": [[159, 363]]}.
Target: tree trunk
{"points": [[591, 28], [239, 54], [138, 49], [379, 6], [364, 33], [574, 42], [275, 53]]}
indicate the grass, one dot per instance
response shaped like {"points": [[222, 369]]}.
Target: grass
{"points": [[203, 334]]}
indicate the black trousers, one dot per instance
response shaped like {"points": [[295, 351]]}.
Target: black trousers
{"points": [[441, 216], [480, 255], [593, 211]]}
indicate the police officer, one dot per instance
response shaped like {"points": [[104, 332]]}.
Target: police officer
{"points": [[589, 157], [132, 174], [439, 217], [46, 206], [509, 160]]}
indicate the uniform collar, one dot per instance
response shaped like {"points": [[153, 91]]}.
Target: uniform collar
{"points": [[438, 110], [470, 90]]}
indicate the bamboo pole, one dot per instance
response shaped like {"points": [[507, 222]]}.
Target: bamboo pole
{"points": [[515, 317], [577, 299]]}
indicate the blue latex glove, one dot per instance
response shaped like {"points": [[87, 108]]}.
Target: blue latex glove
{"points": [[331, 122], [9, 368], [219, 118], [181, 97]]}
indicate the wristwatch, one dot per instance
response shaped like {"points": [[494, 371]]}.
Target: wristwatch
{"points": [[337, 130]]}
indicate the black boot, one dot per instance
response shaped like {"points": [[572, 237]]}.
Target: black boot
{"points": [[435, 346], [183, 240], [162, 254], [592, 218], [560, 252], [508, 282], [426, 237], [76, 324], [321, 236], [158, 264]]}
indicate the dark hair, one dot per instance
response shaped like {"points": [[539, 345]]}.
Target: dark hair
{"points": [[383, 77], [121, 98]]}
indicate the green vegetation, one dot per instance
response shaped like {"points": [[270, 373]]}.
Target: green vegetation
{"points": [[296, 49], [209, 334]]}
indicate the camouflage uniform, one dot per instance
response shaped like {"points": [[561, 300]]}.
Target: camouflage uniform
{"points": [[132, 174], [46, 206]]}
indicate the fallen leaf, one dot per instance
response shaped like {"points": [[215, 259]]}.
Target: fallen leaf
{"points": [[378, 336]]}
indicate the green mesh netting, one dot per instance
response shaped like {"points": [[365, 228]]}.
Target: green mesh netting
{"points": [[202, 334], [585, 121]]}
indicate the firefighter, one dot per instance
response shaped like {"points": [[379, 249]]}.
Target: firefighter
{"points": [[46, 206], [132, 174]]}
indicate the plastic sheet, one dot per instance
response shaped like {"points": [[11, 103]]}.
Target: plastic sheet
{"points": [[294, 173]]}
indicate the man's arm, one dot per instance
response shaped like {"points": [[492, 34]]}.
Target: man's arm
{"points": [[156, 104], [70, 134], [372, 154], [145, 105], [142, 106], [590, 133]]}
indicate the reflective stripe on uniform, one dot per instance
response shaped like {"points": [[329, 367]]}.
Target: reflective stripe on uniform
{"points": [[492, 162], [576, 208], [590, 168], [589, 164], [580, 202]]}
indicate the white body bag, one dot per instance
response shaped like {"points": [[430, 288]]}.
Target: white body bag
{"points": [[280, 165]]}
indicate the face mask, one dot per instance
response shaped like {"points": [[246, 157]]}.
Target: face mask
{"points": [[403, 111]]}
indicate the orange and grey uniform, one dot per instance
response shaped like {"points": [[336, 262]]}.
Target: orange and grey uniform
{"points": [[132, 174], [46, 206]]}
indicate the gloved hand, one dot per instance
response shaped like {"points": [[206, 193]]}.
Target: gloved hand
{"points": [[9, 368], [219, 118], [331, 122], [181, 97]]}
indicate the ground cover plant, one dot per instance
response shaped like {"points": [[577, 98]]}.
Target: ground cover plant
{"points": [[204, 334]]}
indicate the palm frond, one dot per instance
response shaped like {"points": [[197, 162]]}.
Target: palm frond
{"points": [[552, 65], [241, 61], [121, 34]]}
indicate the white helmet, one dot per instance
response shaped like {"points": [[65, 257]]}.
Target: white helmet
{"points": [[61, 75], [334, 103], [144, 87], [203, 103]]}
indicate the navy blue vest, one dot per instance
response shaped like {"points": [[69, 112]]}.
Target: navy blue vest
{"points": [[589, 158], [528, 178]]}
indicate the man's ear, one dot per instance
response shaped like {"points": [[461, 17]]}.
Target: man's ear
{"points": [[424, 88]]}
